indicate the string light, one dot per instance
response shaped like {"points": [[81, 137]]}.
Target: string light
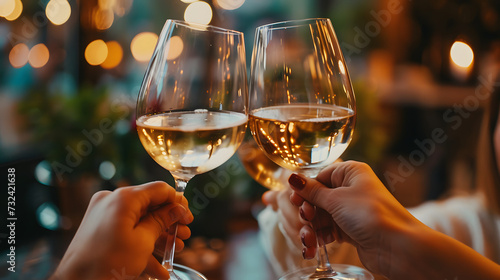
{"points": [[115, 55], [103, 18], [18, 55], [96, 52], [174, 47], [18, 9], [7, 7], [38, 56], [198, 12], [229, 4], [461, 54], [58, 11], [143, 45]]}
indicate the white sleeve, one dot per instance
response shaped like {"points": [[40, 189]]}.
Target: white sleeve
{"points": [[462, 218], [280, 250], [283, 253]]}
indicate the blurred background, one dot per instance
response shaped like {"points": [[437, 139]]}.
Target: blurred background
{"points": [[71, 71]]}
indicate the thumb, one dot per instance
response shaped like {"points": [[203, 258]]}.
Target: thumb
{"points": [[312, 191]]}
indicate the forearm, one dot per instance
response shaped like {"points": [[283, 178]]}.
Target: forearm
{"points": [[433, 255], [78, 268]]}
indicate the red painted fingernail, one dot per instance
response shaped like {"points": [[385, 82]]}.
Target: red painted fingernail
{"points": [[304, 254], [302, 214], [297, 182], [303, 239]]}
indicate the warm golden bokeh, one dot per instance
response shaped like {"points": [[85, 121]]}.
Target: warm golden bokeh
{"points": [[103, 18], [174, 47], [58, 11], [143, 45], [461, 54], [7, 7], [106, 4], [96, 52], [115, 55], [38, 56], [198, 12], [18, 56], [18, 9], [229, 4]]}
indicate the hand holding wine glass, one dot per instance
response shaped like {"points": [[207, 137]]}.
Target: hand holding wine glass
{"points": [[302, 107], [192, 106]]}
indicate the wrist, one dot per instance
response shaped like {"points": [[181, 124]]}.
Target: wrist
{"points": [[402, 257], [423, 253]]}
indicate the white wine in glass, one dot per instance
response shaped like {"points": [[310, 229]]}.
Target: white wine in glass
{"points": [[303, 110], [262, 169], [192, 106]]}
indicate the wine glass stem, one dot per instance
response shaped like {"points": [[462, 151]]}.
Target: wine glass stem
{"points": [[168, 258], [323, 262]]}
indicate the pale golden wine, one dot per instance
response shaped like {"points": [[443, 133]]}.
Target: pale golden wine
{"points": [[261, 168], [191, 142], [303, 137]]}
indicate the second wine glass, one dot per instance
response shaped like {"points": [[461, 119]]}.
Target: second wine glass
{"points": [[302, 109], [192, 105]]}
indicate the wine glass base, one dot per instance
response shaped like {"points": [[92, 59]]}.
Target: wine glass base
{"points": [[341, 272], [185, 273]]}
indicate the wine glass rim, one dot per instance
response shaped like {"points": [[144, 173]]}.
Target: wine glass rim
{"points": [[207, 27], [291, 23]]}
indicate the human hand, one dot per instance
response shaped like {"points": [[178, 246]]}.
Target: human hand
{"points": [[119, 231], [347, 202], [289, 221]]}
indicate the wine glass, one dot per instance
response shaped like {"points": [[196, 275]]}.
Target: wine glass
{"points": [[302, 109], [263, 170], [192, 107]]}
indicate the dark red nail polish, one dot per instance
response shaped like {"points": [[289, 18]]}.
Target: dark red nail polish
{"points": [[297, 182], [302, 214], [303, 239], [304, 254]]}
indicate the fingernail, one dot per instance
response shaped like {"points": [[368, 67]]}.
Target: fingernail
{"points": [[303, 239], [266, 197], [297, 182], [177, 213], [304, 254], [302, 214]]}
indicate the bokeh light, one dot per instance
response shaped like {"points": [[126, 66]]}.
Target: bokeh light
{"points": [[461, 54], [143, 45], [7, 7], [188, 1], [58, 11], [229, 4], [18, 9], [103, 18], [198, 12], [106, 4], [43, 173], [96, 52], [48, 216], [18, 55], [174, 47], [107, 170], [115, 55], [39, 56]]}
